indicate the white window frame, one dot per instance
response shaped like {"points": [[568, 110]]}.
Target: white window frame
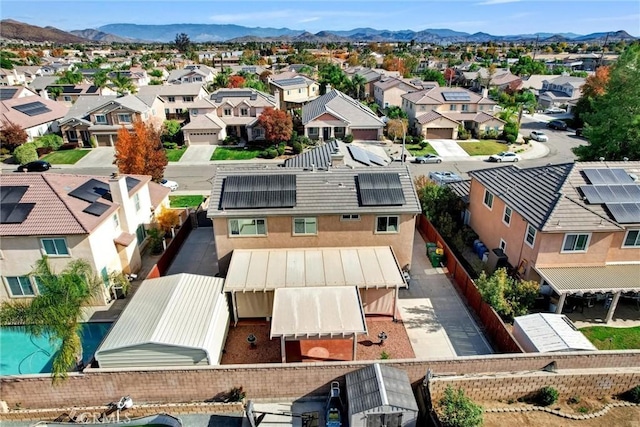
{"points": [[503, 245], [122, 116], [386, 230], [66, 98], [484, 200], [506, 219], [171, 99], [136, 201], [187, 98], [306, 221], [244, 112], [637, 240], [240, 228], [33, 286], [227, 111], [533, 238], [53, 240], [350, 217], [573, 251]]}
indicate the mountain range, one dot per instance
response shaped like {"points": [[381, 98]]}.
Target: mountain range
{"points": [[128, 33]]}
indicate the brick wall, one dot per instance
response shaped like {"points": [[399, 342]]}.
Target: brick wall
{"points": [[96, 387]]}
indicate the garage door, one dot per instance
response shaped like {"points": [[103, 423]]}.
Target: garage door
{"points": [[104, 140], [368, 134], [439, 133], [203, 138]]}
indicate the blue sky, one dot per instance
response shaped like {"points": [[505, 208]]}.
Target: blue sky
{"points": [[498, 17]]}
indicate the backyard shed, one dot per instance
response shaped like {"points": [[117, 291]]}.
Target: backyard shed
{"points": [[379, 395], [178, 320], [548, 332]]}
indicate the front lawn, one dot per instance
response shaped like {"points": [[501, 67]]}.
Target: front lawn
{"points": [[185, 201], [236, 153], [605, 338], [65, 157], [174, 154], [485, 147], [416, 150]]}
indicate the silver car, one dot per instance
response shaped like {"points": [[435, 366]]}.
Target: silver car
{"points": [[429, 158], [536, 135]]}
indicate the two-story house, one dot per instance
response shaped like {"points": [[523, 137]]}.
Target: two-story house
{"points": [[180, 100], [67, 217], [439, 111], [560, 91], [196, 73], [228, 112], [292, 93], [11, 77], [69, 94], [99, 118], [574, 227], [36, 115], [388, 91]]}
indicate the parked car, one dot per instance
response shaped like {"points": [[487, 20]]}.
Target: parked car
{"points": [[536, 135], [557, 124], [504, 156], [555, 110], [429, 158], [169, 184], [35, 166], [444, 177]]}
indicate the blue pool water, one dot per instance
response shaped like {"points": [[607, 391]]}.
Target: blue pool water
{"points": [[23, 354]]}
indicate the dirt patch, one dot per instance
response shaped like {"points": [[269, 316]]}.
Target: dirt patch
{"points": [[616, 417]]}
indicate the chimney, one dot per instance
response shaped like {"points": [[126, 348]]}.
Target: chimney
{"points": [[120, 195], [485, 92], [276, 95]]}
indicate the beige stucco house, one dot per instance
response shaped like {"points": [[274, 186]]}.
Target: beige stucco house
{"points": [[388, 91], [291, 93], [181, 101], [36, 115]]}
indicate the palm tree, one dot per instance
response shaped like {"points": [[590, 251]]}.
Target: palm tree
{"points": [[100, 79], [122, 84], [357, 83], [56, 311], [70, 78]]}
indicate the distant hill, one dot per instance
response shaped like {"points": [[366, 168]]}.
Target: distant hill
{"points": [[14, 30], [101, 37]]}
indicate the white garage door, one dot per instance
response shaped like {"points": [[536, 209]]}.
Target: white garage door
{"points": [[203, 138]]}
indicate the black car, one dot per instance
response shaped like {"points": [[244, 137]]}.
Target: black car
{"points": [[36, 166], [557, 124]]}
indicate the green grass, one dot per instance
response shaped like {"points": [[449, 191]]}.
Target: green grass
{"points": [[185, 201], [65, 157], [483, 147], [416, 150], [174, 154], [236, 153], [605, 338]]}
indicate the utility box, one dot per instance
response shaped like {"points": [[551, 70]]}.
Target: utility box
{"points": [[496, 259]]}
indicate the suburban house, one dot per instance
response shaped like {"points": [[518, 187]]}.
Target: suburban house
{"points": [[192, 74], [30, 72], [560, 91], [69, 94], [67, 217], [388, 91], [228, 112], [180, 101], [99, 118], [501, 80], [293, 92], [439, 111], [576, 230], [335, 115], [370, 76], [337, 153], [36, 115], [11, 77]]}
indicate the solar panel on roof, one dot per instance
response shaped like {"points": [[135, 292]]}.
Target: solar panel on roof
{"points": [[456, 96], [359, 155], [96, 208], [219, 96], [258, 191], [71, 89], [91, 191], [625, 213], [32, 108], [607, 176], [596, 194], [12, 194], [92, 89], [290, 82], [7, 93], [15, 213], [380, 189]]}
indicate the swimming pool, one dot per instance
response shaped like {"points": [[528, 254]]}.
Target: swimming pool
{"points": [[24, 354]]}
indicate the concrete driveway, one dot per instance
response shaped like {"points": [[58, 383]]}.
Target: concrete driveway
{"points": [[447, 148], [99, 157], [197, 154]]}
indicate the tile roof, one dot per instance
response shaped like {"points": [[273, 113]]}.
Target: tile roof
{"points": [[319, 157], [8, 113], [205, 122], [435, 96], [337, 103], [393, 82], [81, 108], [431, 116], [235, 97], [189, 89]]}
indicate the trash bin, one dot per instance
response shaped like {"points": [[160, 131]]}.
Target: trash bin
{"points": [[435, 258], [430, 247]]}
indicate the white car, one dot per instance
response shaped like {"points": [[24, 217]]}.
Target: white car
{"points": [[536, 135], [505, 156], [555, 110], [169, 184]]}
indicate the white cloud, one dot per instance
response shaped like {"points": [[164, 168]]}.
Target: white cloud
{"points": [[315, 18], [492, 2], [264, 16]]}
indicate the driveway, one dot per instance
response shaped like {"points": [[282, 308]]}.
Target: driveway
{"points": [[448, 148], [197, 255], [99, 157], [197, 154]]}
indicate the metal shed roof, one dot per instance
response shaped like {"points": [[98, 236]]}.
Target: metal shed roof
{"points": [[378, 385], [552, 332], [606, 278], [177, 310], [268, 269], [317, 312]]}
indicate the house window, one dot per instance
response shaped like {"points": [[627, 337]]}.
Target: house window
{"points": [[167, 111], [350, 217], [453, 107], [575, 242], [136, 201], [141, 234], [124, 118], [488, 199], [67, 98], [171, 99], [116, 221], [187, 98], [632, 240], [72, 135], [55, 247], [313, 131], [104, 274], [244, 112], [227, 111], [305, 226], [506, 218], [299, 90], [531, 235], [481, 107], [248, 227], [387, 224], [258, 133], [503, 245], [465, 107], [194, 112], [20, 286]]}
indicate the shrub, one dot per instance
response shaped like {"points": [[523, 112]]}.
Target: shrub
{"points": [[93, 141], [237, 394], [304, 140], [511, 139], [269, 153], [156, 236], [348, 138], [547, 396], [633, 395], [25, 153], [170, 145], [297, 147], [463, 133], [423, 144], [384, 355], [51, 140], [281, 148], [457, 410]]}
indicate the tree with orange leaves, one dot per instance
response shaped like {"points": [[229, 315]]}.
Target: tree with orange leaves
{"points": [[139, 151], [277, 125], [595, 84], [235, 82]]}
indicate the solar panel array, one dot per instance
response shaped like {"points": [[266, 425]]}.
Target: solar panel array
{"points": [[71, 89], [616, 190], [365, 157], [96, 208], [11, 210], [456, 96], [380, 189], [32, 108], [92, 89], [290, 82], [91, 191], [220, 95], [7, 93], [258, 191]]}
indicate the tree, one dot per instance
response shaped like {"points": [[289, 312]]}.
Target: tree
{"points": [[594, 86], [70, 78], [431, 75], [613, 127], [236, 82], [182, 42], [395, 112], [397, 128], [357, 83], [508, 296], [167, 219], [457, 410], [12, 135], [171, 131], [332, 75], [122, 83], [449, 74], [56, 311], [140, 151], [100, 79], [277, 125]]}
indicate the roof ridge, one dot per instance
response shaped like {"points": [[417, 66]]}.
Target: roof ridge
{"points": [[64, 202]]}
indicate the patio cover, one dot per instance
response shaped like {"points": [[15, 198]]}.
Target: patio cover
{"points": [[303, 313], [607, 278]]}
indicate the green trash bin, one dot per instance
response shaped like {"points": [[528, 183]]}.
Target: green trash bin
{"points": [[431, 247], [435, 259]]}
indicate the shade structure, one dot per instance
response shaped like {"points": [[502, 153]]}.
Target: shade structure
{"points": [[606, 278], [546, 332]]}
